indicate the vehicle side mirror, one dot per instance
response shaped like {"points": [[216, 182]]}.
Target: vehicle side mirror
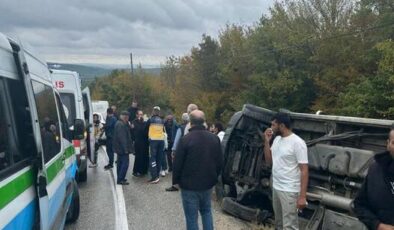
{"points": [[79, 129]]}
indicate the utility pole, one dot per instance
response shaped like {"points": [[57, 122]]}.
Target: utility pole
{"points": [[131, 63]]}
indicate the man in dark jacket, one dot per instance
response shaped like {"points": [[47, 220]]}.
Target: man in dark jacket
{"points": [[122, 146], [141, 145], [133, 111], [110, 122], [171, 127], [374, 204], [197, 164]]}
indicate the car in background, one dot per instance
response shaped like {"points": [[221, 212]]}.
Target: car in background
{"points": [[101, 107], [340, 150]]}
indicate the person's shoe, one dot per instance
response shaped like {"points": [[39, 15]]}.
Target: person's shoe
{"points": [[154, 180], [93, 166], [166, 172], [137, 174], [172, 189], [108, 167], [163, 173], [123, 183], [124, 180]]}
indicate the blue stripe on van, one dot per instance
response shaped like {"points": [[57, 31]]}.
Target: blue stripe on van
{"points": [[25, 219]]}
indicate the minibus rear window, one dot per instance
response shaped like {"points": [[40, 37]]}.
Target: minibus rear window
{"points": [[68, 99]]}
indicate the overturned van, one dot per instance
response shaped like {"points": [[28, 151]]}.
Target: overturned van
{"points": [[37, 159], [340, 150]]}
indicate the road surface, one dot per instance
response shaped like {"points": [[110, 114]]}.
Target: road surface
{"points": [[139, 205]]}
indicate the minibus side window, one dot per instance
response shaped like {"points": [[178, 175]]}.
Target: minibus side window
{"points": [[48, 119], [4, 154], [65, 126], [22, 117]]}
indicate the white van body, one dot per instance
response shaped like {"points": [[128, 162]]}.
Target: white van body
{"points": [[37, 159], [101, 107], [68, 83]]}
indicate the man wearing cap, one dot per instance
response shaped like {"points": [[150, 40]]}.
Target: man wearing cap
{"points": [[156, 144], [122, 146]]}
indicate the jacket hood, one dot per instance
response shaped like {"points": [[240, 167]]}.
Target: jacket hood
{"points": [[385, 161]]}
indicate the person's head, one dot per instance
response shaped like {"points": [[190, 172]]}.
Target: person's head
{"points": [[124, 116], [197, 118], [280, 123], [110, 111], [113, 107], [139, 114], [96, 119], [134, 104], [170, 119], [218, 127], [191, 108], [390, 142], [185, 118], [156, 111]]}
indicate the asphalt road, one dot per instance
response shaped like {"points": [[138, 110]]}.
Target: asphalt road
{"points": [[148, 207]]}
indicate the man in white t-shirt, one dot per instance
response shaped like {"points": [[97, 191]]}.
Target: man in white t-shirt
{"points": [[289, 159]]}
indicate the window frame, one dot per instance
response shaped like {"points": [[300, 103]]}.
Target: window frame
{"points": [[12, 137], [59, 151]]}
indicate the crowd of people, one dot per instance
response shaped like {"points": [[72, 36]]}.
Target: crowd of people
{"points": [[161, 145], [192, 151]]}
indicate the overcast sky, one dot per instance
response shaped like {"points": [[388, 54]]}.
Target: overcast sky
{"points": [[105, 31]]}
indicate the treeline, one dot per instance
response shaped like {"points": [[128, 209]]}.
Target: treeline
{"points": [[305, 55]]}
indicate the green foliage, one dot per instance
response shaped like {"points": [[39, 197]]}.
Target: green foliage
{"points": [[305, 55]]}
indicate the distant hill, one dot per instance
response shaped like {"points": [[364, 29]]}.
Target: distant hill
{"points": [[89, 72]]}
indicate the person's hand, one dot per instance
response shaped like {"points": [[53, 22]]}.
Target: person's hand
{"points": [[301, 203], [173, 154], [268, 134], [385, 227]]}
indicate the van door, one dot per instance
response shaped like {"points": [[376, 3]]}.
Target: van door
{"points": [[51, 186], [88, 112]]}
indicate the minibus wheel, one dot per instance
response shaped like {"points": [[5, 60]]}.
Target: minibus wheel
{"points": [[73, 210]]}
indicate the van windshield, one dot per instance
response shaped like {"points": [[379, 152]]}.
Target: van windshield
{"points": [[68, 100]]}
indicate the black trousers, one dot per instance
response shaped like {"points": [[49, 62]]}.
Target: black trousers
{"points": [[141, 161]]}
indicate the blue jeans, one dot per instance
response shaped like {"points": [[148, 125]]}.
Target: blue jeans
{"points": [[156, 150], [110, 151], [122, 166], [193, 202]]}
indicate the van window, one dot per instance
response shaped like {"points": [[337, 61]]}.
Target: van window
{"points": [[65, 126], [48, 119], [68, 100], [4, 157], [22, 117]]}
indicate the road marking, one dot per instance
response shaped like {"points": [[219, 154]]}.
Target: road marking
{"points": [[121, 222]]}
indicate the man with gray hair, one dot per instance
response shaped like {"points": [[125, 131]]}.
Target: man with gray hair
{"points": [[198, 162], [122, 146], [190, 108]]}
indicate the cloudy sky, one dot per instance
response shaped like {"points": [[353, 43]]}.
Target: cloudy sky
{"points": [[105, 31]]}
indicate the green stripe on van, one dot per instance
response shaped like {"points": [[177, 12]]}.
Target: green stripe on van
{"points": [[16, 187], [58, 164], [69, 151]]}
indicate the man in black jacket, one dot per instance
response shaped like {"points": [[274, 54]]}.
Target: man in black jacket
{"points": [[374, 204], [197, 164], [122, 146]]}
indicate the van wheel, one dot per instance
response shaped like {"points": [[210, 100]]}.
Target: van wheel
{"points": [[83, 176], [73, 210]]}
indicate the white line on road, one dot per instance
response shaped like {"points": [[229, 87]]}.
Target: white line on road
{"points": [[121, 222]]}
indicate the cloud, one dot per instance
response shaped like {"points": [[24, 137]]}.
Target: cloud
{"points": [[101, 31]]}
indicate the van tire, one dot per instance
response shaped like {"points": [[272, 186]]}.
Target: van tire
{"points": [[232, 207], [74, 209], [83, 176]]}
